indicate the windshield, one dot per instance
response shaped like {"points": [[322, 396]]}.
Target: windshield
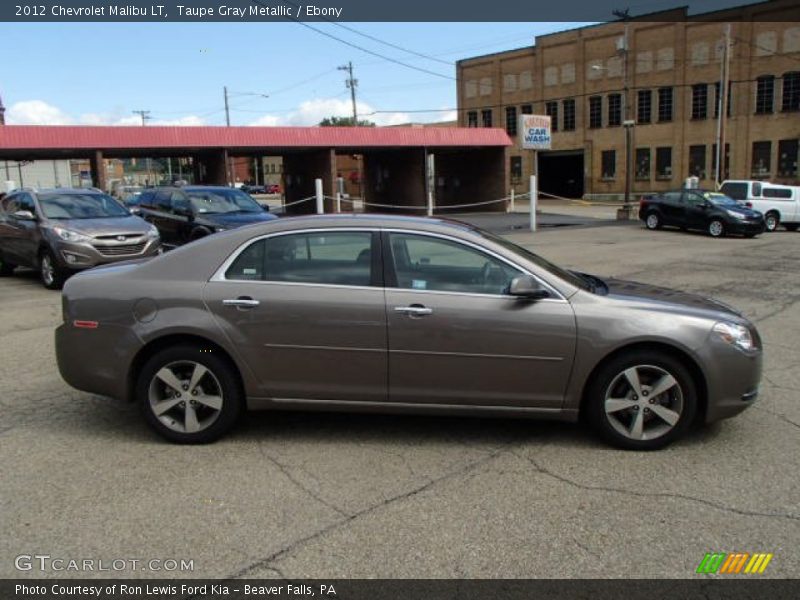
{"points": [[222, 201], [720, 199], [80, 206], [568, 276]]}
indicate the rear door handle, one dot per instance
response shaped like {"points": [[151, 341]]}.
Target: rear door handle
{"points": [[241, 302], [415, 310]]}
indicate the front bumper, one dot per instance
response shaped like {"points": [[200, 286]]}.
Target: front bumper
{"points": [[78, 256], [745, 227], [733, 378]]}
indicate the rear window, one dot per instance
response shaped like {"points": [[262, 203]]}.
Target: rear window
{"points": [[737, 191]]}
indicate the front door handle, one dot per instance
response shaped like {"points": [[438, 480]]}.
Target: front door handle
{"points": [[415, 310], [241, 302]]}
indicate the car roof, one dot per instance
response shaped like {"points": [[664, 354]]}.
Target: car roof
{"points": [[69, 191], [375, 220]]}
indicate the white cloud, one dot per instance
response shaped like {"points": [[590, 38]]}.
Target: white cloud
{"points": [[311, 112], [36, 112]]}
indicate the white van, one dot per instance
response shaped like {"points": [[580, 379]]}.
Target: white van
{"points": [[780, 204]]}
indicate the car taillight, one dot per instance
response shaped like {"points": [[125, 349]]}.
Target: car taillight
{"points": [[748, 204], [85, 324]]}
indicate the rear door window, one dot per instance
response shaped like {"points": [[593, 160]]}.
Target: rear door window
{"points": [[782, 193], [737, 191], [331, 258]]}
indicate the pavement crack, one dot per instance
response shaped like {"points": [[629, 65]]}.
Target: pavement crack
{"points": [[598, 488], [781, 416], [266, 562], [287, 472]]}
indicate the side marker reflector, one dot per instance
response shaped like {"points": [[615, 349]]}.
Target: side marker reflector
{"points": [[86, 324]]}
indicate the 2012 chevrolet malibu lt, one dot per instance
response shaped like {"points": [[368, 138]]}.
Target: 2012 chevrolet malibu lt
{"points": [[399, 314]]}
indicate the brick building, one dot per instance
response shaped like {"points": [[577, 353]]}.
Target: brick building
{"points": [[671, 92]]}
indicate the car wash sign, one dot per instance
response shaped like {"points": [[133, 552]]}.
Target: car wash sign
{"points": [[535, 132]]}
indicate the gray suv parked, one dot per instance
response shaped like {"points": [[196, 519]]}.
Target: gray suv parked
{"points": [[64, 230]]}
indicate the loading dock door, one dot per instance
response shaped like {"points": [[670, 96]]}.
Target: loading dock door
{"points": [[561, 173]]}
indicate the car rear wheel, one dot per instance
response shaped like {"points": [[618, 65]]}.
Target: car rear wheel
{"points": [[653, 221], [716, 228], [52, 275], [189, 395], [771, 221], [6, 268], [642, 401]]}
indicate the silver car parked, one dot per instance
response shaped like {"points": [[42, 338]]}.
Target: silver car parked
{"points": [[399, 314], [61, 231]]}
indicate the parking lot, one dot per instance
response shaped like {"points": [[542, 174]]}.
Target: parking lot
{"points": [[319, 495]]}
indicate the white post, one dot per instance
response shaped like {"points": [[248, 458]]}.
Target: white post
{"points": [[320, 197], [511, 206], [534, 196], [338, 202], [430, 204]]}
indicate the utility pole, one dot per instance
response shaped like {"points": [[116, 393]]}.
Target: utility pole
{"points": [[227, 110], [722, 104], [145, 114], [351, 83]]}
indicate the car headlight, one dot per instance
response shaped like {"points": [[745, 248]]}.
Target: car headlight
{"points": [[735, 334], [152, 233], [70, 236], [735, 215]]}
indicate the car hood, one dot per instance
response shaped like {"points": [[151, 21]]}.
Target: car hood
{"points": [[104, 226], [229, 221], [661, 297]]}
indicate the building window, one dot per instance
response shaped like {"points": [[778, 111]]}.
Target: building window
{"points": [[609, 164], [765, 94], [700, 101], [486, 117], [787, 158], [664, 104], [729, 102], [472, 118], [791, 91], [697, 161], [511, 120], [516, 168], [644, 108], [614, 110], [526, 109], [726, 162], [643, 164], [664, 163], [569, 115], [761, 155], [595, 112], [551, 110]]}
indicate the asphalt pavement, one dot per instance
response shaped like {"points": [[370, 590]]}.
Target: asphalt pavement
{"points": [[321, 495]]}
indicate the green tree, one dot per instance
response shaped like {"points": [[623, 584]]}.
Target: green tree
{"points": [[344, 122]]}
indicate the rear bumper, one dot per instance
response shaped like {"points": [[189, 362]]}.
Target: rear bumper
{"points": [[96, 360]]}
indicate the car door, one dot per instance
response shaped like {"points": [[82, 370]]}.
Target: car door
{"points": [[20, 236], [695, 210], [457, 338], [306, 311], [672, 209]]}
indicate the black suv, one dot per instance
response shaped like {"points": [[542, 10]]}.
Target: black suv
{"points": [[183, 214], [705, 210]]}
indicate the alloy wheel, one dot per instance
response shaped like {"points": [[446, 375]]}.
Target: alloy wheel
{"points": [[716, 229], [652, 221], [185, 396], [643, 402], [771, 222], [48, 271]]}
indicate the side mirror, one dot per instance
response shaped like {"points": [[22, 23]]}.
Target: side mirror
{"points": [[527, 287], [24, 215]]}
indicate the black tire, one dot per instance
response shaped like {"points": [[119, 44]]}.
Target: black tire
{"points": [[224, 381], [610, 375], [716, 228], [771, 221], [6, 268], [51, 273], [653, 221], [791, 226]]}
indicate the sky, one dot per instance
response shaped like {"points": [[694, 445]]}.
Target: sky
{"points": [[98, 73]]}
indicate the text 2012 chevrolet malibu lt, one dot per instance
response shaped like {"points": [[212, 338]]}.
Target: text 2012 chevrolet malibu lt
{"points": [[399, 314]]}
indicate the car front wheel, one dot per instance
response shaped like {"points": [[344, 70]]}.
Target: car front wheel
{"points": [[52, 275], [716, 228], [642, 401], [189, 394]]}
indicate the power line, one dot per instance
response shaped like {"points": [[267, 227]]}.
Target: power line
{"points": [[145, 114]]}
